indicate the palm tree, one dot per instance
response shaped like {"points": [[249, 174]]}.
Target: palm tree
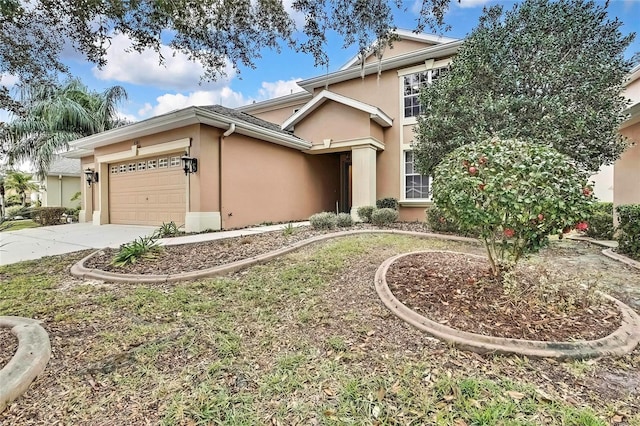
{"points": [[53, 116], [20, 183]]}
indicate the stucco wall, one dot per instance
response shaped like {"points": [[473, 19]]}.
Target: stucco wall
{"points": [[399, 47], [626, 176], [280, 113], [205, 195], [333, 120], [262, 182], [603, 184], [632, 91], [59, 190]]}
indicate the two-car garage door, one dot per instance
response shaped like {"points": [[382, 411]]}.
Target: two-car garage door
{"points": [[147, 191]]}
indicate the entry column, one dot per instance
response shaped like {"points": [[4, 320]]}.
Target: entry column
{"points": [[363, 163]]}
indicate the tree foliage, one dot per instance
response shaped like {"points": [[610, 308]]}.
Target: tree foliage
{"points": [[54, 115], [33, 34], [21, 183], [513, 193], [545, 71]]}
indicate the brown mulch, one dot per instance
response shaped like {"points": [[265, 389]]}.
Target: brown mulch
{"points": [[459, 291], [198, 256], [8, 346]]}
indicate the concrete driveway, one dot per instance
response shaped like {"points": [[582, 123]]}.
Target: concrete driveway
{"points": [[27, 244]]}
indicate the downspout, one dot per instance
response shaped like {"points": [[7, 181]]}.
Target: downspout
{"points": [[228, 132], [60, 184]]}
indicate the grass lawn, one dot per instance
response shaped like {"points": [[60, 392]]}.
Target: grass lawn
{"points": [[16, 225], [300, 340]]}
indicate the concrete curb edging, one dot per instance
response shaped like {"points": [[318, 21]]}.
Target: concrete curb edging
{"points": [[29, 361], [620, 342], [81, 271], [621, 258]]}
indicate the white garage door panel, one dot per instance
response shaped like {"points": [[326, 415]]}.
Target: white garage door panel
{"points": [[140, 195]]}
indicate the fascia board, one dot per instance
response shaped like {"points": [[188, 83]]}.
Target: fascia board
{"points": [[386, 64], [634, 74], [295, 97]]}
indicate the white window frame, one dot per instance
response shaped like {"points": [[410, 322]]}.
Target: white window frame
{"points": [[429, 66], [174, 161], [163, 163], [131, 167], [152, 164], [114, 170], [405, 199], [142, 165], [123, 168]]}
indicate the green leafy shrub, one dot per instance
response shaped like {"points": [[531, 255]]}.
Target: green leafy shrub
{"points": [[12, 211], [515, 194], [167, 230], [324, 220], [288, 230], [387, 203], [138, 249], [437, 222], [46, 216], [381, 217], [601, 221], [629, 230], [365, 212], [344, 220]]}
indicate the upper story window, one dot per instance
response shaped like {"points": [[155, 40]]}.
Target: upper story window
{"points": [[412, 85]]}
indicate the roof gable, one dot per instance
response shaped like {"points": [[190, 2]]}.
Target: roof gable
{"points": [[375, 113]]}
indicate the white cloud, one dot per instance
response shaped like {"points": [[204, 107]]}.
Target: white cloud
{"points": [[472, 3], [128, 117], [9, 80], [224, 96], [298, 17], [278, 88], [178, 72]]}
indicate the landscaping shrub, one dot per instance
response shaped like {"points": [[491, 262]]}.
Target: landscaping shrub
{"points": [[324, 220], [141, 248], [12, 211], [381, 217], [629, 230], [387, 203], [167, 230], [601, 221], [514, 193], [365, 212], [437, 222], [344, 220], [46, 216]]}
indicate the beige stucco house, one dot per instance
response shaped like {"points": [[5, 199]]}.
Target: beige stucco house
{"points": [[342, 143], [626, 174], [61, 183]]}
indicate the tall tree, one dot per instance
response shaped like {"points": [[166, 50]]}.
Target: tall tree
{"points": [[54, 115], [21, 183], [546, 71], [34, 33]]}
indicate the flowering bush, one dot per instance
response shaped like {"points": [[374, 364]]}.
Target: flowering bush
{"points": [[513, 193]]}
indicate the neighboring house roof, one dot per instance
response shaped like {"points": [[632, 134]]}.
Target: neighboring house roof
{"points": [[303, 96], [64, 167], [405, 59], [403, 35], [214, 115], [376, 113]]}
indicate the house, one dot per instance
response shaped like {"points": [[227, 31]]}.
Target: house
{"points": [[342, 143], [61, 183], [626, 174]]}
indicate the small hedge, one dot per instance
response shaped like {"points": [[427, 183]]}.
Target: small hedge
{"points": [[365, 213], [387, 203], [629, 230], [438, 223], [48, 215], [344, 220], [324, 220], [385, 216], [601, 221]]}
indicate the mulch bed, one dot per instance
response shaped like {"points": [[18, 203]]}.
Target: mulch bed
{"points": [[8, 346], [198, 256], [458, 291]]}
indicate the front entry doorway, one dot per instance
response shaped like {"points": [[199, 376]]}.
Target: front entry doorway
{"points": [[345, 183]]}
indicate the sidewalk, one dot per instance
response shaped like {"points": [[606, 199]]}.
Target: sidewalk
{"points": [[219, 235]]}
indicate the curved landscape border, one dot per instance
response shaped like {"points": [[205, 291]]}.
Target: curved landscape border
{"points": [[29, 361], [81, 271], [620, 342]]}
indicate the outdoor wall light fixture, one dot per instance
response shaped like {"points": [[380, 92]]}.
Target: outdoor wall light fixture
{"points": [[189, 164], [91, 176]]}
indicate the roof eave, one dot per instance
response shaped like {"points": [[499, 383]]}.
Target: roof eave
{"points": [[385, 64], [294, 97]]}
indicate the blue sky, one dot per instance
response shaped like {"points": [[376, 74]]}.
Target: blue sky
{"points": [[154, 89]]}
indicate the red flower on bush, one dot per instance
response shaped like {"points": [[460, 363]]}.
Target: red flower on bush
{"points": [[472, 170], [582, 226], [587, 191], [509, 233]]}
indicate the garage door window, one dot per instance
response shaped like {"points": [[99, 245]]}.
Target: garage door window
{"points": [[123, 168], [114, 170], [163, 163], [132, 167], [151, 164], [142, 165], [175, 161]]}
